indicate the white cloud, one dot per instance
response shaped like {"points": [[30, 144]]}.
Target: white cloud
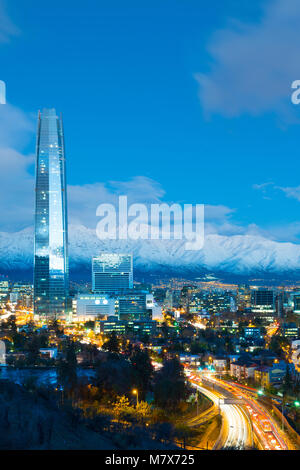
{"points": [[16, 189], [289, 232], [217, 212], [7, 28], [293, 192], [84, 199], [262, 186], [289, 191], [16, 181], [253, 65], [139, 189], [16, 127]]}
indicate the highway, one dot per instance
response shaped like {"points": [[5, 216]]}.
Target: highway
{"points": [[245, 421], [268, 434], [239, 430], [236, 431]]}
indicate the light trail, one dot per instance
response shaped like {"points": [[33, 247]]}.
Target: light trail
{"points": [[265, 428], [6, 315], [236, 426]]}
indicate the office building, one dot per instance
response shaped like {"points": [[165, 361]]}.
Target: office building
{"points": [[4, 289], [112, 273], [252, 332], [295, 296], [263, 303], [134, 328], [134, 305], [89, 307], [51, 271], [290, 330], [243, 297]]}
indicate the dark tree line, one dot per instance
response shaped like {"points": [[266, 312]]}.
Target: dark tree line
{"points": [[118, 375]]}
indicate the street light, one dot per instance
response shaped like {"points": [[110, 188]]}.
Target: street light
{"points": [[136, 392], [260, 392], [297, 403]]}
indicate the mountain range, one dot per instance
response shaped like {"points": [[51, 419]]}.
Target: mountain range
{"points": [[237, 254]]}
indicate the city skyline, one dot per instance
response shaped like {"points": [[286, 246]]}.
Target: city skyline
{"points": [[149, 229]]}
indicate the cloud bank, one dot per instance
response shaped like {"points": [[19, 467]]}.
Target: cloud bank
{"points": [[253, 65]]}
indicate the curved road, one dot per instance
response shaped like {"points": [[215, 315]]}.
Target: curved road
{"points": [[268, 434], [236, 428]]}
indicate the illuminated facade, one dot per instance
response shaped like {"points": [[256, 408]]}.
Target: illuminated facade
{"points": [[243, 297], [51, 272], [134, 305], [88, 307], [295, 296], [262, 301], [112, 273]]}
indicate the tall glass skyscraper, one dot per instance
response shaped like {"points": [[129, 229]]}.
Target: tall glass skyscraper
{"points": [[51, 270]]}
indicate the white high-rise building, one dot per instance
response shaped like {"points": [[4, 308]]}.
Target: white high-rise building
{"points": [[112, 273], [92, 306]]}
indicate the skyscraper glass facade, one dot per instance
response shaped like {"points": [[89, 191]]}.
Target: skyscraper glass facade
{"points": [[112, 273], [51, 272], [134, 305]]}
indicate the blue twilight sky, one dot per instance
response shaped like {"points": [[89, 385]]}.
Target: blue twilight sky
{"points": [[175, 100]]}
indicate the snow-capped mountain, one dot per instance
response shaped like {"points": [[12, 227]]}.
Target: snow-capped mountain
{"points": [[238, 254]]}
